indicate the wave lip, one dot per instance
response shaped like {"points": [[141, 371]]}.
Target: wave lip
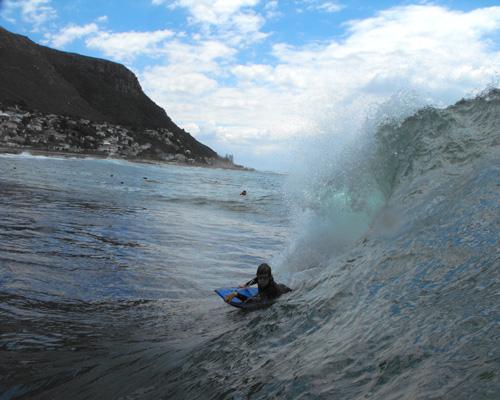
{"points": [[435, 138]]}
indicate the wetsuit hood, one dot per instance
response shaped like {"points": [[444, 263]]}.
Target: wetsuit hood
{"points": [[264, 276]]}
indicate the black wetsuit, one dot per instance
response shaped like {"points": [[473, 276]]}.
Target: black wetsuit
{"points": [[272, 291]]}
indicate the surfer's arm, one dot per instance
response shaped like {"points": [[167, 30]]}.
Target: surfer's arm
{"points": [[283, 288], [251, 282]]}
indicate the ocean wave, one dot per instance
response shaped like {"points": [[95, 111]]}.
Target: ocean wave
{"points": [[336, 198], [436, 138], [404, 305]]}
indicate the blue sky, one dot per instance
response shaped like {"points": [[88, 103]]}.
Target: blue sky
{"points": [[254, 78]]}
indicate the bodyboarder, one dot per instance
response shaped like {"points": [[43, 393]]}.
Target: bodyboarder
{"points": [[268, 288]]}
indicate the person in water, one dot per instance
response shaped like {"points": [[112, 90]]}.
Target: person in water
{"points": [[244, 193], [268, 288]]}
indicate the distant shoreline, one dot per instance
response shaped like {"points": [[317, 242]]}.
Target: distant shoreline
{"points": [[59, 135], [65, 154]]}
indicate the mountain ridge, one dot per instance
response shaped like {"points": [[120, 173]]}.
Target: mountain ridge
{"points": [[50, 81]]}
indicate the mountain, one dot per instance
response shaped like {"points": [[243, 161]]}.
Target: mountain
{"points": [[35, 77]]}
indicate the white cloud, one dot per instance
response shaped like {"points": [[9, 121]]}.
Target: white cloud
{"points": [[271, 5], [265, 104], [212, 12], [319, 5], [203, 55], [121, 46], [102, 19], [191, 70], [248, 23], [69, 34], [177, 81], [125, 46], [35, 12], [272, 9], [254, 73], [329, 7], [233, 21], [243, 29]]}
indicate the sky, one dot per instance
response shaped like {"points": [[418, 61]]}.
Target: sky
{"points": [[254, 78]]}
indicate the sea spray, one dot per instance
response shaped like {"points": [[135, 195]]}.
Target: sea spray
{"points": [[335, 188]]}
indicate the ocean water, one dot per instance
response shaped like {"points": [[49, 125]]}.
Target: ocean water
{"points": [[391, 246]]}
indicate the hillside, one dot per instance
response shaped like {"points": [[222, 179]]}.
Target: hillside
{"points": [[48, 81]]}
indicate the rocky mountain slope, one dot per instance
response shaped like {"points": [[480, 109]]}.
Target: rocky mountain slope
{"points": [[50, 82]]}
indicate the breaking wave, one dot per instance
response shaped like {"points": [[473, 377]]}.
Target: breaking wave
{"points": [[394, 260]]}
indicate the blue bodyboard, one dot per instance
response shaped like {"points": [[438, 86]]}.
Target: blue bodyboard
{"points": [[247, 292]]}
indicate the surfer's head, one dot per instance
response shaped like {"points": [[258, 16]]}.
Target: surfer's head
{"points": [[264, 275]]}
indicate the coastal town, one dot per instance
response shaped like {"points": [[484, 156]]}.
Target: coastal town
{"points": [[22, 130]]}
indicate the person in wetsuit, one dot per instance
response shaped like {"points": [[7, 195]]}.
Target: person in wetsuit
{"points": [[268, 288]]}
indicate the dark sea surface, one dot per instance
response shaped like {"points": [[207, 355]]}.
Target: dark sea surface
{"points": [[107, 272]]}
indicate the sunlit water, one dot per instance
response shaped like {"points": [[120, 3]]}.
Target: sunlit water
{"points": [[107, 271]]}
